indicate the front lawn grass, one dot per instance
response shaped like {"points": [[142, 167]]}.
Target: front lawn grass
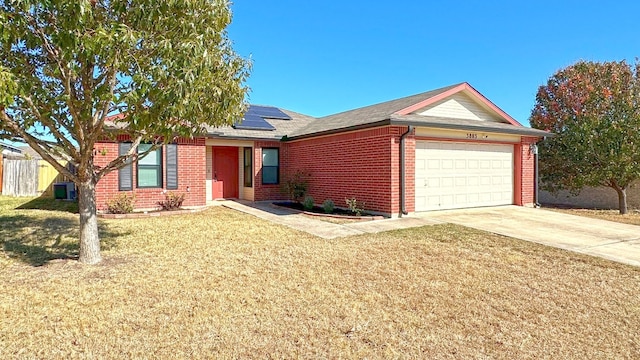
{"points": [[632, 217], [222, 284]]}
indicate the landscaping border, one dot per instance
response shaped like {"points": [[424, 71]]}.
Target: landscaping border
{"points": [[151, 213], [334, 216]]}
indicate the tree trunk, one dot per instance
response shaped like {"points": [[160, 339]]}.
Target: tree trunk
{"points": [[622, 199], [89, 239]]}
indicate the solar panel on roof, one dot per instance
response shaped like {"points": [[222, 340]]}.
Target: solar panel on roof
{"points": [[253, 122], [268, 112]]}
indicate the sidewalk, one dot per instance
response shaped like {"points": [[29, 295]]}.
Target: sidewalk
{"points": [[323, 229]]}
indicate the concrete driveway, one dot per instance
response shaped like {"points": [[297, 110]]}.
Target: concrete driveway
{"points": [[606, 239]]}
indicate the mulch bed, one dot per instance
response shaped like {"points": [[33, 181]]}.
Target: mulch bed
{"points": [[319, 211]]}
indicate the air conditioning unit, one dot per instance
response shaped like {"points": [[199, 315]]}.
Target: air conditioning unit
{"points": [[64, 191]]}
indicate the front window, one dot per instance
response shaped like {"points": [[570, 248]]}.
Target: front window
{"points": [[150, 168], [248, 167], [270, 166]]}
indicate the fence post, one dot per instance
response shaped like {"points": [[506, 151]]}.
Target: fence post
{"points": [[1, 166]]}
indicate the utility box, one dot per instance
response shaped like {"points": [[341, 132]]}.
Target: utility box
{"points": [[64, 191]]}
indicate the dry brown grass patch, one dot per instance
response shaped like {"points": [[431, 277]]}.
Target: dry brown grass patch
{"points": [[222, 284], [632, 217]]}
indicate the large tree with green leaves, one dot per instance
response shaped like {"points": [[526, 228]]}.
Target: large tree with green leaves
{"points": [[594, 110], [66, 65]]}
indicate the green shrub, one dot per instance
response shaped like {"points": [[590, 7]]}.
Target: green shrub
{"points": [[296, 186], [172, 201], [328, 206], [308, 203], [354, 206], [121, 204]]}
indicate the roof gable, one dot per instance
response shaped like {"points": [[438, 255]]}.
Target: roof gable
{"points": [[366, 115], [459, 106], [474, 105]]}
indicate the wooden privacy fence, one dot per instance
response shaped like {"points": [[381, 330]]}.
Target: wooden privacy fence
{"points": [[29, 178], [47, 176], [20, 177]]}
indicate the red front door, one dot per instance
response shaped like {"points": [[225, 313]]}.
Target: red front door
{"points": [[225, 170]]}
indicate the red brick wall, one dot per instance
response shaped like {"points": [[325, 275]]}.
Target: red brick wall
{"points": [[191, 175], [525, 173], [410, 170], [269, 192], [361, 164]]}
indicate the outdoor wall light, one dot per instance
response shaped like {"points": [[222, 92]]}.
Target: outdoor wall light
{"points": [[533, 149]]}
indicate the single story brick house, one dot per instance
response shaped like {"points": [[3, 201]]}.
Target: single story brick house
{"points": [[443, 149]]}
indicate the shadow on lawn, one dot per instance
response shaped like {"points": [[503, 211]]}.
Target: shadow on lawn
{"points": [[46, 203], [36, 240]]}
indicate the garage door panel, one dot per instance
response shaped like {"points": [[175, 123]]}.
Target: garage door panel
{"points": [[485, 197], [446, 182], [461, 175]]}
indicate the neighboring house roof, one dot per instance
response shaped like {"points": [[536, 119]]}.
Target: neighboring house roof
{"points": [[28, 151], [10, 148]]}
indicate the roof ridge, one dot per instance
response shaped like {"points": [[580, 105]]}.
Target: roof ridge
{"points": [[424, 93]]}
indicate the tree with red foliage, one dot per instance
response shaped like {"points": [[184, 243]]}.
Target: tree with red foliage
{"points": [[594, 110]]}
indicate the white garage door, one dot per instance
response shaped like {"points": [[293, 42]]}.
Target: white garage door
{"points": [[452, 175]]}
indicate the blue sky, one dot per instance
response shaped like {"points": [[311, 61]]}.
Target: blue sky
{"points": [[323, 57]]}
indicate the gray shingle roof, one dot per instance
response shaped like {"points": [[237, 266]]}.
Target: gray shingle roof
{"points": [[366, 115], [283, 127], [384, 113]]}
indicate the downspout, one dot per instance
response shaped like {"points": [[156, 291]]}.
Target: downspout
{"points": [[403, 187], [534, 152]]}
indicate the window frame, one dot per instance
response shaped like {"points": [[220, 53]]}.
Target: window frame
{"points": [[277, 167], [247, 153], [158, 153]]}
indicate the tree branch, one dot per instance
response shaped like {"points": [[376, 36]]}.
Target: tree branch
{"points": [[100, 115], [53, 55], [54, 130], [36, 144]]}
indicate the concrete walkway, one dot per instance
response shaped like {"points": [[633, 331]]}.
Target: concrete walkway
{"points": [[610, 240], [323, 229]]}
